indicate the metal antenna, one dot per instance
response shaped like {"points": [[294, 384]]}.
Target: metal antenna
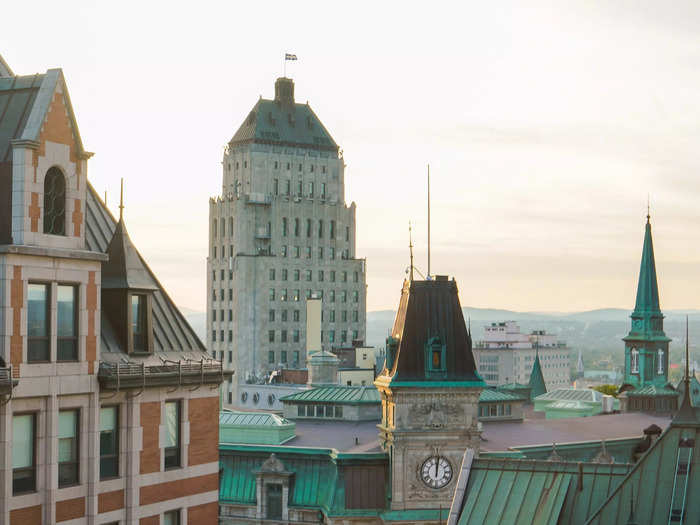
{"points": [[121, 200], [428, 221], [687, 358], [410, 248], [648, 206]]}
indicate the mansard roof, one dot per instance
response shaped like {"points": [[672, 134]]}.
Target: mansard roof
{"points": [[430, 311], [283, 122], [125, 270]]}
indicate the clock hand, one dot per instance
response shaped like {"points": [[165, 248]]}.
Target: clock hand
{"points": [[437, 459]]}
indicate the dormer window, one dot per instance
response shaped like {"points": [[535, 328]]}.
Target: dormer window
{"points": [[435, 359], [660, 362], [138, 323], [55, 202]]}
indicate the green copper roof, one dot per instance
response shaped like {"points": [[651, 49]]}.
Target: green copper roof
{"points": [[694, 390], [254, 428], [513, 386], [536, 383], [572, 394], [653, 391], [647, 288], [284, 122], [248, 419], [491, 395], [512, 492], [338, 395]]}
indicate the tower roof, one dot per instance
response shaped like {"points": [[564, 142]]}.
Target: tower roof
{"points": [[283, 122], [125, 269], [430, 313], [536, 383], [647, 288]]}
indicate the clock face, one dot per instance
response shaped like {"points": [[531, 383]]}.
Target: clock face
{"points": [[436, 472]]}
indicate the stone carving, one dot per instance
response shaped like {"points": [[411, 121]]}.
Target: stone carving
{"points": [[272, 464], [435, 415]]}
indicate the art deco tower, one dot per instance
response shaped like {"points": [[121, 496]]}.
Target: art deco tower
{"points": [[279, 233]]}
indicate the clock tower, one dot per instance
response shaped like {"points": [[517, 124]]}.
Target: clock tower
{"points": [[430, 391], [646, 345]]}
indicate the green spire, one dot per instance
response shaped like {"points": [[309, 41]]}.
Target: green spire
{"points": [[536, 383], [647, 289]]}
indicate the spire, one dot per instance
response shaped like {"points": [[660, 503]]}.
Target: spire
{"points": [[536, 383], [686, 414], [647, 288], [579, 365], [410, 248], [121, 200]]}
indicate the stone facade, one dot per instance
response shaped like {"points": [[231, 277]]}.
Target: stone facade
{"points": [[279, 233]]}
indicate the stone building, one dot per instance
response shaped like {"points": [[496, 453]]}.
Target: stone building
{"points": [[505, 355], [108, 400], [279, 234]]}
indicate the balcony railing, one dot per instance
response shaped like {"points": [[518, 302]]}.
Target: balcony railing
{"points": [[116, 376], [6, 381], [258, 198]]}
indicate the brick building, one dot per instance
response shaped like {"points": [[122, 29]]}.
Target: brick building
{"points": [[108, 401]]}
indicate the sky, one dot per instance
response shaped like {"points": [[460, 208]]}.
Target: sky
{"points": [[547, 125]]}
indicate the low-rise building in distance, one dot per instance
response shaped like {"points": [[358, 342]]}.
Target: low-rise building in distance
{"points": [[505, 355]]}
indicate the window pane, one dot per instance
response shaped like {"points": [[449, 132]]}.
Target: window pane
{"points": [[67, 447], [172, 416], [38, 321], [171, 518], [66, 307], [22, 441], [67, 421]]}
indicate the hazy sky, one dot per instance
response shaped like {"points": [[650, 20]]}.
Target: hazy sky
{"points": [[546, 127]]}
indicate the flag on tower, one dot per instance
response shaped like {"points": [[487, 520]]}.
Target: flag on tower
{"points": [[289, 56]]}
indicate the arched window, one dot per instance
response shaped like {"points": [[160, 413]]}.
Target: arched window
{"points": [[634, 361], [55, 202], [660, 363]]}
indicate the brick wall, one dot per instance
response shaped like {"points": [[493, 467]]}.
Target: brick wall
{"points": [[150, 520], [204, 430], [178, 489], [109, 501], [150, 453], [26, 515], [70, 509], [207, 514]]}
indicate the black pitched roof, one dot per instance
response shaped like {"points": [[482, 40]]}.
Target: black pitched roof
{"points": [[430, 309], [125, 269]]}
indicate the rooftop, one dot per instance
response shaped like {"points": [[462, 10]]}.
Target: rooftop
{"points": [[572, 394], [340, 395]]}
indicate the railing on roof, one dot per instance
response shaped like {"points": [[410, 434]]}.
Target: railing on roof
{"points": [[6, 382], [114, 376], [258, 198]]}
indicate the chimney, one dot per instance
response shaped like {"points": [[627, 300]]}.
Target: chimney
{"points": [[284, 91], [313, 326]]}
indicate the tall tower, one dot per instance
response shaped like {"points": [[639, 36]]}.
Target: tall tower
{"points": [[646, 345], [430, 392], [279, 234]]}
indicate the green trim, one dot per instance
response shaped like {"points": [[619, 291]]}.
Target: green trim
{"points": [[416, 515], [437, 384]]}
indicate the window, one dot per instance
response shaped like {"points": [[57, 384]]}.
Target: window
{"points": [[68, 448], [271, 336], [344, 316], [308, 252], [273, 499], [308, 296], [323, 190], [271, 357], [308, 275], [272, 274], [271, 316], [284, 250], [343, 336], [345, 277], [320, 252], [634, 361], [297, 274], [296, 357], [287, 186], [284, 274], [331, 253], [295, 336], [109, 442], [301, 410], [23, 451], [331, 316], [311, 188], [284, 226], [172, 434], [332, 276], [272, 294], [276, 186], [230, 315], [284, 316], [338, 411], [347, 233], [296, 252], [296, 227], [332, 296], [172, 517], [283, 336], [323, 169], [283, 356], [230, 360], [320, 276], [331, 336], [332, 233], [37, 322], [289, 166], [308, 227], [296, 294], [230, 339], [355, 296], [355, 316], [344, 296], [138, 321], [320, 229], [222, 275], [295, 315], [213, 335], [660, 362], [213, 275], [55, 202], [230, 231], [230, 294], [283, 295], [356, 277], [320, 410]]}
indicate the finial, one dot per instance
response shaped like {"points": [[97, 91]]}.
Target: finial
{"points": [[687, 357], [105, 197], [121, 200], [648, 207], [428, 221], [410, 249]]}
